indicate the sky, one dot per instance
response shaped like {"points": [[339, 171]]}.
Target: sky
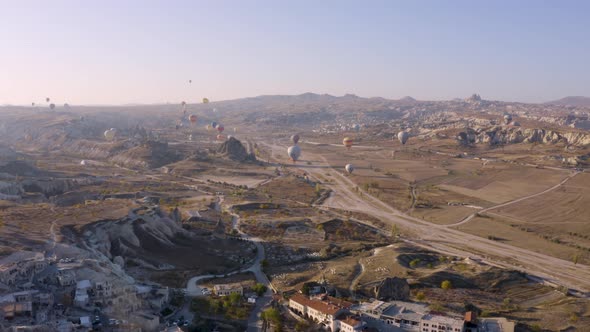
{"points": [[142, 51]]}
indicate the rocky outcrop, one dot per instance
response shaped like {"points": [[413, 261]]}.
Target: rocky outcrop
{"points": [[234, 150], [52, 187], [499, 135], [393, 289]]}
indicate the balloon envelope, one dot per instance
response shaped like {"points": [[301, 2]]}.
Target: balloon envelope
{"points": [[294, 152], [403, 136], [349, 168], [220, 128], [347, 142], [295, 139], [205, 100], [110, 134], [192, 118]]}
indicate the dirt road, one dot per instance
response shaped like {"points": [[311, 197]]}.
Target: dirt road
{"points": [[440, 238]]}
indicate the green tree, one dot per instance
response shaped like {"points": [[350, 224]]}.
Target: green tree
{"points": [[235, 299], [272, 316], [259, 289], [305, 289], [446, 285], [420, 296]]}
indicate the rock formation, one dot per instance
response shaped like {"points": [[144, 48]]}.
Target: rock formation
{"points": [[234, 150]]}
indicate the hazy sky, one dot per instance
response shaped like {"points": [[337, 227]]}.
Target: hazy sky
{"points": [[124, 51]]}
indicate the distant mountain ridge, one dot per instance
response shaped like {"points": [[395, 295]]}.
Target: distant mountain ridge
{"points": [[572, 101]]}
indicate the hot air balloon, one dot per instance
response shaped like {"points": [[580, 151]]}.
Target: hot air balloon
{"points": [[213, 124], [235, 129], [32, 104], [190, 81], [209, 127], [192, 118], [349, 168], [220, 137], [347, 142], [220, 128], [183, 103], [83, 163], [356, 127], [52, 106], [294, 152], [47, 99], [403, 136], [190, 137], [110, 134], [507, 118], [205, 100], [295, 139], [66, 105]]}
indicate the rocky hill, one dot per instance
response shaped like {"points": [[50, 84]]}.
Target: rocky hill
{"points": [[572, 101], [234, 150], [499, 135]]}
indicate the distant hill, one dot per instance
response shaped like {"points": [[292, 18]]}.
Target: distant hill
{"points": [[572, 101]]}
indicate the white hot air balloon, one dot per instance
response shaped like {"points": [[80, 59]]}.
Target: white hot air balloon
{"points": [[294, 152], [349, 168], [110, 134]]}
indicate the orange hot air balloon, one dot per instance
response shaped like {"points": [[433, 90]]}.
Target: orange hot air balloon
{"points": [[347, 142]]}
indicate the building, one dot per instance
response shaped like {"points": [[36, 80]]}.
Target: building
{"points": [[395, 315], [323, 310], [66, 278], [350, 324], [21, 266], [227, 289], [81, 298]]}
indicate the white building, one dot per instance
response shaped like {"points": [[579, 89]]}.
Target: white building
{"points": [[409, 317], [227, 289]]}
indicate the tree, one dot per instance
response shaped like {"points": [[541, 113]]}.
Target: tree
{"points": [[259, 289], [235, 299], [576, 258], [420, 296], [394, 230], [272, 316], [305, 289], [446, 285]]}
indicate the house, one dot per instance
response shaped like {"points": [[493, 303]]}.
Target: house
{"points": [[85, 321], [21, 266], [15, 304], [347, 323], [81, 298], [66, 278], [322, 310], [227, 289], [408, 316]]}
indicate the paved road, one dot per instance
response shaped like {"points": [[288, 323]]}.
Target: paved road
{"points": [[254, 320], [442, 239]]}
